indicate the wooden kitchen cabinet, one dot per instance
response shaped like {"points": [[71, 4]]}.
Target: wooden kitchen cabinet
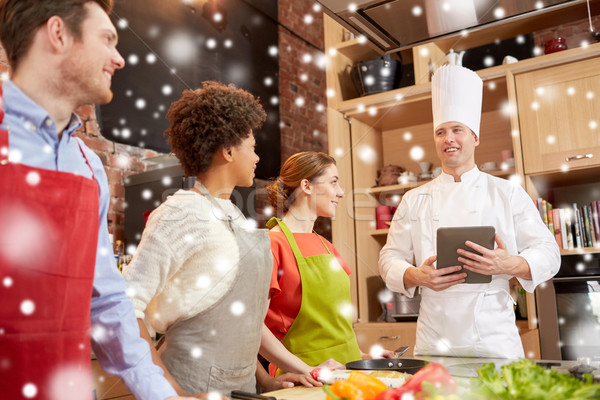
{"points": [[559, 116], [390, 336], [367, 133], [559, 112], [393, 335]]}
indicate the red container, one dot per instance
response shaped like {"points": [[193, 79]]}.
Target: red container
{"points": [[383, 214], [554, 45]]}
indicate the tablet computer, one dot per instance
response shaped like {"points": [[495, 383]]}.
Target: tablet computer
{"points": [[451, 239]]}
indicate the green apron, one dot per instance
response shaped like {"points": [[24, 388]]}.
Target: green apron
{"points": [[323, 327]]}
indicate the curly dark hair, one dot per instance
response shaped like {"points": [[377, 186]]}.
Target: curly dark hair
{"points": [[208, 119], [305, 165], [20, 19]]}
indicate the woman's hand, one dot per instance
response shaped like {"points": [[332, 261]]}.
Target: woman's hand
{"points": [[331, 364], [289, 380]]}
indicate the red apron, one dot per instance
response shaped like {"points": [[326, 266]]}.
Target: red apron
{"points": [[48, 241]]}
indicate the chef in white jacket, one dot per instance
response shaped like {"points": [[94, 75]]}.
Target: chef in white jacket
{"points": [[455, 318]]}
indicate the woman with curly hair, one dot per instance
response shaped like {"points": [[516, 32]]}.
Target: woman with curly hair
{"points": [[200, 275], [310, 311]]}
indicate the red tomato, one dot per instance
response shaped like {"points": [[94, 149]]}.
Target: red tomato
{"points": [[435, 374]]}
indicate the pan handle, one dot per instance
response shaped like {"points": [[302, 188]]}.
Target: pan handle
{"points": [[400, 350]]}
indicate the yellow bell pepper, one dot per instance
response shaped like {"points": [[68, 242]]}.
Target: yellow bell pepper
{"points": [[358, 386], [344, 389], [370, 385]]}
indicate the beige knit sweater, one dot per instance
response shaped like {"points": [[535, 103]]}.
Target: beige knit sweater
{"points": [[186, 261]]}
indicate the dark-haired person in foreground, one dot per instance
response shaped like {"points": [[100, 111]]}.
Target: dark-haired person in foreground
{"points": [[56, 259], [201, 272]]}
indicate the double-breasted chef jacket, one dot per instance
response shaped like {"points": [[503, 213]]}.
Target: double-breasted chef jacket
{"points": [[468, 319]]}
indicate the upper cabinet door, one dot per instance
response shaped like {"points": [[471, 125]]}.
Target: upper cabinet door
{"points": [[559, 116]]}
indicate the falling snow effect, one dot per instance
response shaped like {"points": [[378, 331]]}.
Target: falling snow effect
{"points": [[196, 352], [417, 153], [237, 308], [27, 307], [376, 351], [335, 265], [203, 282], [27, 235], [346, 310], [30, 390], [70, 383]]}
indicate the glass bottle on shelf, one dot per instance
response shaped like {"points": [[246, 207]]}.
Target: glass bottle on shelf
{"points": [[119, 253]]}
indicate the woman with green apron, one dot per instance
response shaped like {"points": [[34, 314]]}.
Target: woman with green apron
{"points": [[310, 312]]}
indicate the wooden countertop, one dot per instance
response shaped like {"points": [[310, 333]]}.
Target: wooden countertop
{"points": [[299, 393]]}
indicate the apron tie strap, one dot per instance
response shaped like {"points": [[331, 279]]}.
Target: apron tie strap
{"points": [[480, 297], [3, 134], [289, 236]]}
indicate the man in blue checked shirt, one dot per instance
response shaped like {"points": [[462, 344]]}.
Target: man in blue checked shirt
{"points": [[55, 253]]}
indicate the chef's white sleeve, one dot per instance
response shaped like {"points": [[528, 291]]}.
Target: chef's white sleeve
{"points": [[535, 242], [398, 252]]}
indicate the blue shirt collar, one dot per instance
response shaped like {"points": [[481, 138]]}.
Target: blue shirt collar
{"points": [[16, 102]]}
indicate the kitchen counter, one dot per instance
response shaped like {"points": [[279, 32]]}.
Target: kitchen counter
{"points": [[462, 368]]}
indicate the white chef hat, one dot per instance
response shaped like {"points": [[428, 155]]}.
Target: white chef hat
{"points": [[456, 94]]}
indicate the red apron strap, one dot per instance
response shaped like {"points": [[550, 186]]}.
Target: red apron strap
{"points": [[3, 134], [86, 160], [1, 106]]}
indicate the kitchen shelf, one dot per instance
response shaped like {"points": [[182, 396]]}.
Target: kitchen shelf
{"points": [[579, 250], [360, 50], [412, 105], [401, 188], [574, 176], [379, 232], [356, 49]]}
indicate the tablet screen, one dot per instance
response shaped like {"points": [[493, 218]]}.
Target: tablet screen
{"points": [[451, 239]]}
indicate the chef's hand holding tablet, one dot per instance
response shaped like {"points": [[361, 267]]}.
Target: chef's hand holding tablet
{"points": [[435, 279], [493, 262]]}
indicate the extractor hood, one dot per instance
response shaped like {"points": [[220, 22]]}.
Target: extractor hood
{"points": [[393, 25]]}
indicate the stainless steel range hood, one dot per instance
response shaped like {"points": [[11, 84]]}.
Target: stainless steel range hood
{"points": [[393, 25]]}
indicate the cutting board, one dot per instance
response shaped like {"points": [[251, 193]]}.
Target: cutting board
{"points": [[298, 393]]}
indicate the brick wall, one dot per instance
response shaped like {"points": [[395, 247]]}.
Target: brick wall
{"points": [[119, 162], [302, 101], [301, 78], [574, 33]]}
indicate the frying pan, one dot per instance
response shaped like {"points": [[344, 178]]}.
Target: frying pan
{"points": [[407, 365]]}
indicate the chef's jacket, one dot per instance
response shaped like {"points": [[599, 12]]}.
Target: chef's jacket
{"points": [[468, 319]]}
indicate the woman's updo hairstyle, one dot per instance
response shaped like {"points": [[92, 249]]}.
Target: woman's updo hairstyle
{"points": [[305, 165]]}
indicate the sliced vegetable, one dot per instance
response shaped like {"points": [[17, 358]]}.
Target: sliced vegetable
{"points": [[345, 389], [314, 373], [437, 375], [370, 385], [430, 381]]}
